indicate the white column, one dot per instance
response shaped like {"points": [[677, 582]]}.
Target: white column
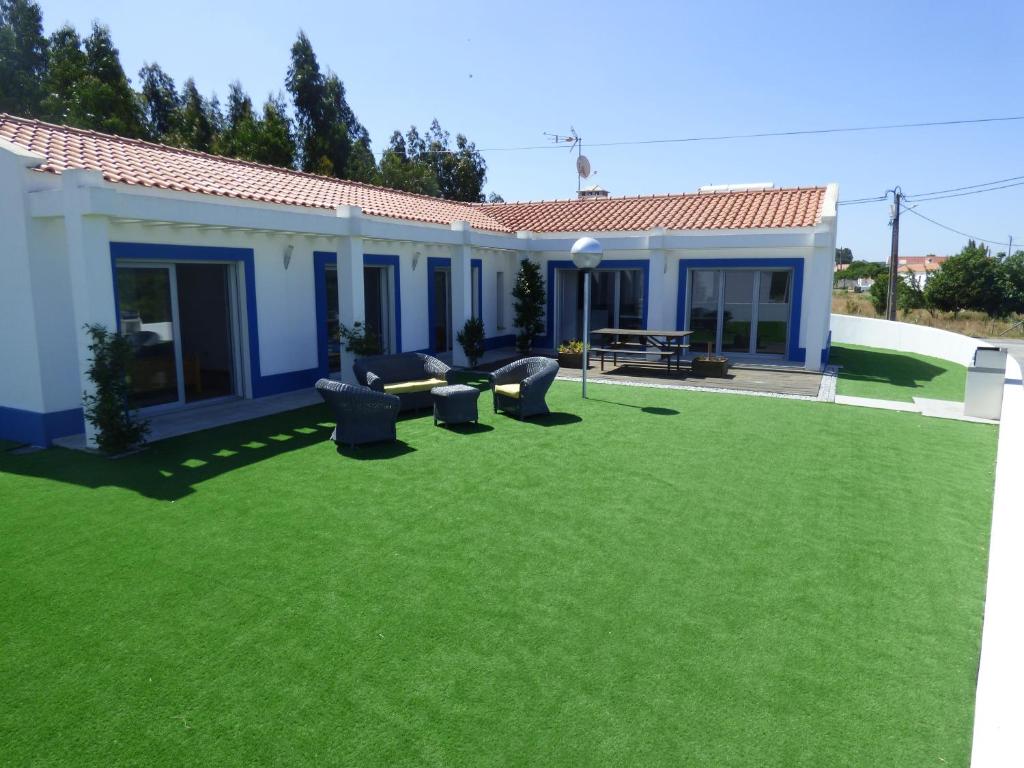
{"points": [[462, 289], [92, 278], [659, 291], [351, 295]]}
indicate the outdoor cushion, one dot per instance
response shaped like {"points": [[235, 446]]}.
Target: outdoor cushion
{"points": [[420, 385], [508, 390]]}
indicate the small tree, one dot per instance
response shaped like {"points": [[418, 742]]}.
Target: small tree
{"points": [[471, 337], [117, 428], [530, 298], [970, 280]]}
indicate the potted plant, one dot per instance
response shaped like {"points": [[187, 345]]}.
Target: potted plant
{"points": [[118, 429], [471, 337], [710, 365], [359, 340], [530, 298], [570, 354]]}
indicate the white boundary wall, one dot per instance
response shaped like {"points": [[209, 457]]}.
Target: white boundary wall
{"points": [[999, 706], [904, 337]]}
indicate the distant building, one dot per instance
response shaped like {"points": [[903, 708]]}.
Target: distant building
{"points": [[859, 284], [919, 267]]}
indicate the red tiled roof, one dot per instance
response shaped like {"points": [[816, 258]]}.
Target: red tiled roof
{"points": [[131, 161], [751, 209]]}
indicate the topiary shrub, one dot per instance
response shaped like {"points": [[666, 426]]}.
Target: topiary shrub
{"points": [[117, 427], [530, 298], [471, 337]]}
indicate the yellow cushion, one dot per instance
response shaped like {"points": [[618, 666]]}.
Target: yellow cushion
{"points": [[403, 387], [508, 390]]}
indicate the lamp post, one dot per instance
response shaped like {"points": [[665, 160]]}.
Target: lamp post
{"points": [[586, 255]]}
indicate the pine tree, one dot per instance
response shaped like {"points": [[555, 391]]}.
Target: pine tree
{"points": [[196, 128], [160, 102], [275, 140], [22, 58], [106, 98], [65, 75]]}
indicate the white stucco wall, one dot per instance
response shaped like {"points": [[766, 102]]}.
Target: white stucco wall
{"points": [[999, 706], [904, 337], [20, 374], [58, 231]]}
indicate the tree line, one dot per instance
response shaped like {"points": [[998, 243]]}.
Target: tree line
{"points": [[973, 279], [79, 81]]}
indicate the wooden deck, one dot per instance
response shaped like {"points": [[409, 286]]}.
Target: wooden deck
{"points": [[764, 379]]}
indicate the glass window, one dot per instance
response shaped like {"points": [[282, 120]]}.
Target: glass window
{"points": [[474, 278], [147, 320], [631, 298], [499, 285]]}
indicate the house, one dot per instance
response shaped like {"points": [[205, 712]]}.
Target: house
{"points": [[858, 285], [919, 268], [230, 278]]}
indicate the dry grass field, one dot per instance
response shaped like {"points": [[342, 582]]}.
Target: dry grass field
{"points": [[968, 323]]}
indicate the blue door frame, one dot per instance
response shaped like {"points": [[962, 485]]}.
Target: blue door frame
{"points": [[547, 341], [794, 352], [321, 260], [260, 385]]}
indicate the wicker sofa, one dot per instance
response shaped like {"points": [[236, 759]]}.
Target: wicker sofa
{"points": [[360, 414], [520, 387], [410, 375]]}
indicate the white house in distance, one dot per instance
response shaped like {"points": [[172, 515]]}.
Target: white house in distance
{"points": [[230, 277], [919, 268]]}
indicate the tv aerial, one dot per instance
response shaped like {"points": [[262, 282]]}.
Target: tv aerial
{"points": [[574, 142]]}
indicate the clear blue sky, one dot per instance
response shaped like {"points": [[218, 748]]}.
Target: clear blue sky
{"points": [[503, 73]]}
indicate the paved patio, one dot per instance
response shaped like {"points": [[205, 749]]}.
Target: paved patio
{"points": [[760, 379]]}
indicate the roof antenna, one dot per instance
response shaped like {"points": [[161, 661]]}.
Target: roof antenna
{"points": [[575, 141]]}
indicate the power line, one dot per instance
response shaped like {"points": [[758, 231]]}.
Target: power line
{"points": [[952, 229], [969, 186], [759, 135], [862, 200], [936, 196]]}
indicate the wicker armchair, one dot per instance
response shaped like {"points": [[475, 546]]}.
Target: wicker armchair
{"points": [[360, 414], [520, 387], [410, 375]]}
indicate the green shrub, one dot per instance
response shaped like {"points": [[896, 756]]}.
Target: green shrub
{"points": [[530, 299], [471, 337], [117, 428], [359, 340]]}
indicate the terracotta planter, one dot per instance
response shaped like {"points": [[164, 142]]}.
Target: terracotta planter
{"points": [[570, 359], [710, 367]]}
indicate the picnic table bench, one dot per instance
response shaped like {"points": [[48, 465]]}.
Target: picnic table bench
{"points": [[642, 343]]}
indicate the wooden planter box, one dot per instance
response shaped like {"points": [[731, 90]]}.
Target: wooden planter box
{"points": [[711, 367], [570, 359]]}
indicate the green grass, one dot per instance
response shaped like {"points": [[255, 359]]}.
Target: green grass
{"points": [[650, 577], [889, 375]]}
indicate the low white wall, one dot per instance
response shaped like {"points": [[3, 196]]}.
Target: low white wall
{"points": [[904, 337], [999, 707]]}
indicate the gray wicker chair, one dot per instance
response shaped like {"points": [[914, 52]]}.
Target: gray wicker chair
{"points": [[533, 375], [403, 373], [360, 414]]}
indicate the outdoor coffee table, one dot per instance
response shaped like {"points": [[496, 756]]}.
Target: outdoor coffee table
{"points": [[455, 403]]}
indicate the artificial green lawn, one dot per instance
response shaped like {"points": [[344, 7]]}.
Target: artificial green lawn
{"points": [[889, 375], [650, 577]]}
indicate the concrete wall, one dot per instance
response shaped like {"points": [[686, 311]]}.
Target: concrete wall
{"points": [[904, 337], [999, 707]]}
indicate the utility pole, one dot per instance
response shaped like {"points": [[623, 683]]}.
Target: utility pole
{"points": [[894, 257]]}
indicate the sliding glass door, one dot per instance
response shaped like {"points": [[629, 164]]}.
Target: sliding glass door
{"points": [[740, 311], [179, 321], [616, 300]]}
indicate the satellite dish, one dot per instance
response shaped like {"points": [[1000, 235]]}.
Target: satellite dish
{"points": [[583, 166]]}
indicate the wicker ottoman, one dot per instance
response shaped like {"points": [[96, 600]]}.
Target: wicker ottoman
{"points": [[455, 403]]}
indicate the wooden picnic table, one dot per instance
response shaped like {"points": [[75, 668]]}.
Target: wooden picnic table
{"points": [[640, 341]]}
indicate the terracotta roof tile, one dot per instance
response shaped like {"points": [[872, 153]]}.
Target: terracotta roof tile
{"points": [[141, 163], [763, 208]]}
